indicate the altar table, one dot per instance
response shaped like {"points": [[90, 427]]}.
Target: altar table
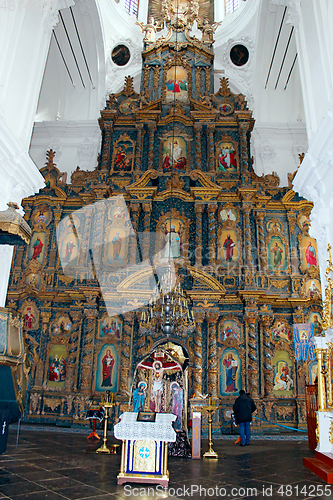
{"points": [[144, 454]]}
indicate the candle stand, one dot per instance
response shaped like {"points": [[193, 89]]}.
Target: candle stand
{"points": [[106, 403], [210, 409]]}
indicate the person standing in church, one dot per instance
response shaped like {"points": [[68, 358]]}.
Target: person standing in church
{"points": [[243, 408]]}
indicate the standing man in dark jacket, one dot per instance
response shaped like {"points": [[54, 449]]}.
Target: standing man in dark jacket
{"points": [[243, 408]]}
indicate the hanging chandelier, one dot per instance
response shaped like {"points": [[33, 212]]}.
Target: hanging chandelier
{"points": [[168, 309]]}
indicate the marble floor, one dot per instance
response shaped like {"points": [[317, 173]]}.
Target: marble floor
{"points": [[58, 466]]}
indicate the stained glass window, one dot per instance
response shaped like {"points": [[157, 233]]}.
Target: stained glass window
{"points": [[132, 6], [231, 5]]}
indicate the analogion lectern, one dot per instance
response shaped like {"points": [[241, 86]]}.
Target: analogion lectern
{"points": [[144, 454]]}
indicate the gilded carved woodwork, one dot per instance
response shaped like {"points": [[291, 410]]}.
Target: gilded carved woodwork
{"points": [[238, 301]]}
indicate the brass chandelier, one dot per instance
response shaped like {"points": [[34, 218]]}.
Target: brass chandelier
{"points": [[168, 309]]}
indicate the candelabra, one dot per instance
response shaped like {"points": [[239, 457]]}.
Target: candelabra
{"points": [[106, 403], [168, 310], [210, 453]]}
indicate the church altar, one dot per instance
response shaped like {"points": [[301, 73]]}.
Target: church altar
{"points": [[144, 454]]}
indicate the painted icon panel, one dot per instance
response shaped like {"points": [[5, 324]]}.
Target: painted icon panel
{"points": [[283, 382], [316, 319], [117, 246], [312, 287], [37, 247], [276, 249], [309, 252], [281, 331], [230, 372], [229, 329], [56, 374], [226, 157], [313, 372], [110, 326], [107, 369], [123, 156], [30, 317], [174, 154], [229, 248], [176, 84]]}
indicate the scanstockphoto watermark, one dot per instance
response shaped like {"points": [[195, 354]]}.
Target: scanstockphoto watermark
{"points": [[266, 491], [189, 491]]}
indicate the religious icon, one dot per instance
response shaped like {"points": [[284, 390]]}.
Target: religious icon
{"points": [[107, 362], [177, 403], [116, 248], [230, 369], [139, 396], [110, 326], [174, 154], [274, 225], [277, 254], [281, 331], [282, 373], [173, 230], [57, 369], [30, 317], [158, 368], [225, 108], [228, 247], [304, 222], [229, 330], [116, 242], [228, 214], [312, 287], [226, 157], [61, 326], [69, 250], [309, 253], [172, 244], [282, 379], [42, 215], [228, 250], [176, 83], [316, 319], [118, 213], [123, 155], [37, 247]]}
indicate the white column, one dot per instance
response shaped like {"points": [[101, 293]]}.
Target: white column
{"points": [[6, 255]]}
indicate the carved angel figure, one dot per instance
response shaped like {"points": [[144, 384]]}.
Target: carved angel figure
{"points": [[143, 99], [193, 13], [149, 29], [208, 30], [206, 99]]}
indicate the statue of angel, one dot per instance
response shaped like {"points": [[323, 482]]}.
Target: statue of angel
{"points": [[208, 30], [143, 99], [193, 13], [149, 29], [206, 99]]}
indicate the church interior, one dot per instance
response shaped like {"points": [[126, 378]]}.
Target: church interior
{"points": [[165, 220]]}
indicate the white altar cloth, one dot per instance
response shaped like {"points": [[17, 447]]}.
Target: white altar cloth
{"points": [[160, 430]]}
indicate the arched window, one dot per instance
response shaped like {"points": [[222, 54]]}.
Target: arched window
{"points": [[132, 6], [231, 5]]}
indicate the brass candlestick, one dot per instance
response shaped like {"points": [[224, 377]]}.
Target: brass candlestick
{"points": [[210, 409], [106, 404]]}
